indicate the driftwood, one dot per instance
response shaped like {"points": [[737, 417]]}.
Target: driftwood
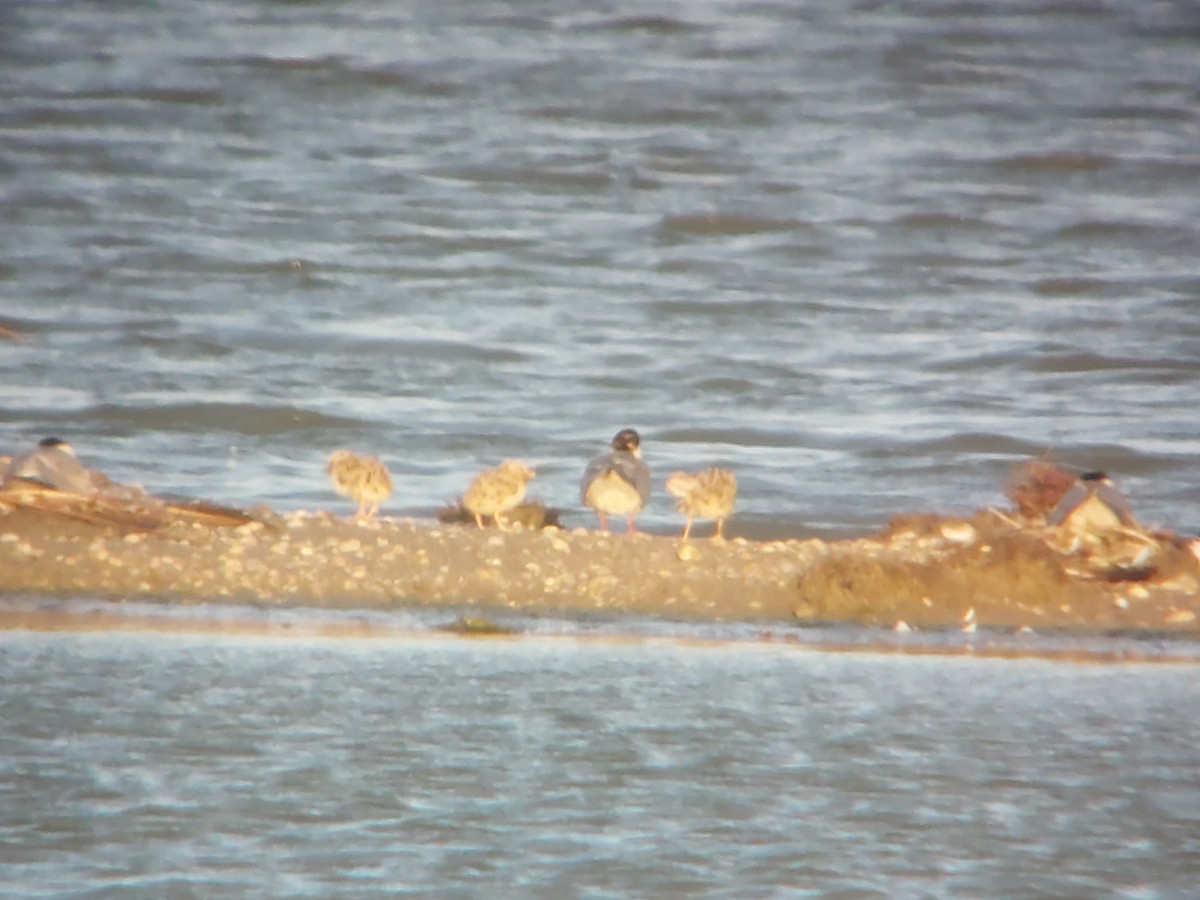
{"points": [[126, 510]]}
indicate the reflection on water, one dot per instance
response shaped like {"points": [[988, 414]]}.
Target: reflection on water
{"points": [[159, 765]]}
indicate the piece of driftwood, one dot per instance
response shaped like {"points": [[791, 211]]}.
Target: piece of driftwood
{"points": [[127, 510]]}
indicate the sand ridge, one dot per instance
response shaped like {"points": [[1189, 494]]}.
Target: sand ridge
{"points": [[923, 572]]}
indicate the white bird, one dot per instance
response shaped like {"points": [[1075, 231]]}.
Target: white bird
{"points": [[617, 483], [53, 464], [1092, 506]]}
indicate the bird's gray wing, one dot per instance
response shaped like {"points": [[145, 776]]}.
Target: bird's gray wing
{"points": [[595, 469], [1075, 495], [635, 472], [1116, 501], [27, 467], [52, 467], [624, 464]]}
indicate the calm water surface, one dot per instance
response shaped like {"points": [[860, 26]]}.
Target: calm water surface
{"points": [[202, 766], [869, 255]]}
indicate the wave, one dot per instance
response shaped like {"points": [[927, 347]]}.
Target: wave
{"points": [[249, 419]]}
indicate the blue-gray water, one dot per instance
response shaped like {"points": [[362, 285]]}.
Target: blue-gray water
{"points": [[229, 767], [869, 255]]}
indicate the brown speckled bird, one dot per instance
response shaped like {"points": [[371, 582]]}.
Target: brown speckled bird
{"points": [[498, 490], [706, 495], [364, 479]]}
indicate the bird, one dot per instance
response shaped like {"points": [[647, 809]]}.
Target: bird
{"points": [[53, 463], [1091, 506], [617, 483], [497, 491], [706, 495], [364, 479]]}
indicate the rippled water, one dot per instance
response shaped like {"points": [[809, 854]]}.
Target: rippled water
{"points": [[199, 766], [868, 255]]}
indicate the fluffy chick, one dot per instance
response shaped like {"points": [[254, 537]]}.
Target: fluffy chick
{"points": [[706, 495], [498, 490], [364, 479]]}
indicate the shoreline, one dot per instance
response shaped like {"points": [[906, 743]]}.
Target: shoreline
{"points": [[117, 620]]}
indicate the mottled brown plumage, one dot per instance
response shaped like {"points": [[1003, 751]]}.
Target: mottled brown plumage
{"points": [[498, 490], [364, 479], [1037, 487], [706, 495]]}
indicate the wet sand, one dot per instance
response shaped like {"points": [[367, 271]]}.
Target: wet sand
{"points": [[927, 572], [82, 619]]}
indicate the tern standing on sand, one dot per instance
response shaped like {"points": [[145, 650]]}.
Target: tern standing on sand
{"points": [[53, 464], [617, 483], [1092, 505]]}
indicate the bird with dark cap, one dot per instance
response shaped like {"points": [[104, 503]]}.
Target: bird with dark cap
{"points": [[617, 483], [1092, 505], [52, 464]]}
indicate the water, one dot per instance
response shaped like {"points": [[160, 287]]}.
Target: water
{"points": [[869, 257], [200, 766]]}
